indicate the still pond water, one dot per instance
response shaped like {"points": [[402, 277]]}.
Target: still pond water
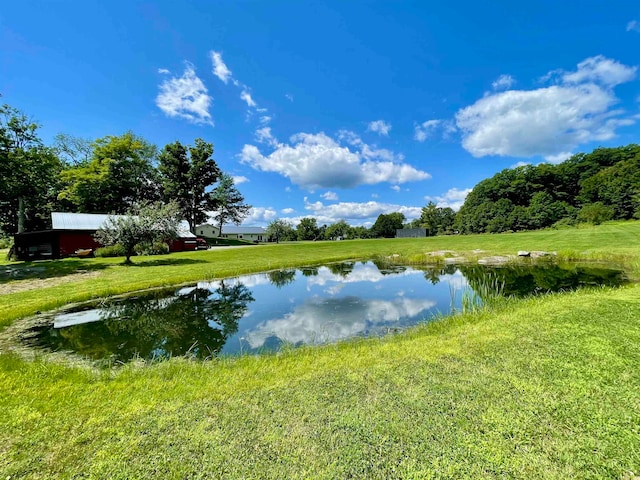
{"points": [[315, 305]]}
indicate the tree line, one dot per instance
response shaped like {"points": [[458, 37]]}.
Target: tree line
{"points": [[385, 226], [587, 188], [113, 174]]}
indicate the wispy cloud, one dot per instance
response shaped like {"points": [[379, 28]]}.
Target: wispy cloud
{"points": [[264, 135], [504, 82], [238, 179], [633, 26], [333, 196], [223, 72], [220, 69], [246, 96], [185, 97], [426, 129], [380, 127], [163, 71], [452, 198]]}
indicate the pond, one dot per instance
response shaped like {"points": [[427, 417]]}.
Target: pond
{"points": [[307, 306]]}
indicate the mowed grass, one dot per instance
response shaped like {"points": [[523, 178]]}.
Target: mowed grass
{"points": [[546, 387]]}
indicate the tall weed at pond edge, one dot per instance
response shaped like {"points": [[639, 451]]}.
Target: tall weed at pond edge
{"points": [[487, 292]]}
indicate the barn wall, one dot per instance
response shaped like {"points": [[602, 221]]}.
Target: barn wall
{"points": [[70, 241]]}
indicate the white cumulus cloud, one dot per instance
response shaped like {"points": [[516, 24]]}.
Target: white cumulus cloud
{"points": [[357, 213], [260, 216], [380, 127], [185, 97], [601, 70], [453, 198], [287, 211], [220, 70], [319, 161], [548, 121]]}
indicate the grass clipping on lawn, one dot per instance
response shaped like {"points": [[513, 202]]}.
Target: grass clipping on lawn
{"points": [[546, 387]]}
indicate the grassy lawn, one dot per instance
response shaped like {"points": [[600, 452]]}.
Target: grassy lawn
{"points": [[546, 387]]}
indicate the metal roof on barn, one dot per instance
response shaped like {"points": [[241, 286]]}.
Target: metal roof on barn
{"points": [[93, 221], [232, 230]]}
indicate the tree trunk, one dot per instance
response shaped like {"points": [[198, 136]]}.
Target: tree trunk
{"points": [[20, 214]]}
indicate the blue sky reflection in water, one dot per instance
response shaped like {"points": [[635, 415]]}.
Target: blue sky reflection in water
{"points": [[313, 305]]}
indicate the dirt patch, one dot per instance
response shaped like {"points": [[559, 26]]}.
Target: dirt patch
{"points": [[36, 283]]}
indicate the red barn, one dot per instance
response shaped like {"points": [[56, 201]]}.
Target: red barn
{"points": [[74, 231]]}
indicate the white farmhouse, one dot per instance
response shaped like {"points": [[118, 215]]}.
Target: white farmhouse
{"points": [[250, 234]]}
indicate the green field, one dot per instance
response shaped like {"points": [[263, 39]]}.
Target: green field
{"points": [[546, 387]]}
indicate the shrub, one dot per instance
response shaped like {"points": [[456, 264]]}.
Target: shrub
{"points": [[155, 248], [111, 251], [595, 213], [566, 222], [6, 242]]}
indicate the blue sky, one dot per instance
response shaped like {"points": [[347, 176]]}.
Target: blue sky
{"points": [[337, 110]]}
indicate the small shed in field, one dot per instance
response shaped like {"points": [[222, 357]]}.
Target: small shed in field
{"points": [[411, 233], [71, 232]]}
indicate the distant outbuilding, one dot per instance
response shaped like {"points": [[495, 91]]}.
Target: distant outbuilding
{"points": [[411, 233]]}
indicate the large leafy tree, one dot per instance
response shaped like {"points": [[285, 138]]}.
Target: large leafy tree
{"points": [[280, 229], [187, 175], [29, 174], [120, 174], [387, 223], [337, 230], [308, 229], [229, 206], [146, 224]]}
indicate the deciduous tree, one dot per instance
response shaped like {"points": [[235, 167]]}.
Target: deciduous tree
{"points": [[308, 229], [120, 174], [149, 223], [387, 224], [29, 174], [280, 229]]}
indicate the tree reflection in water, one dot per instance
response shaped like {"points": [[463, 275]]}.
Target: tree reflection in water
{"points": [[520, 281], [280, 278], [196, 323]]}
